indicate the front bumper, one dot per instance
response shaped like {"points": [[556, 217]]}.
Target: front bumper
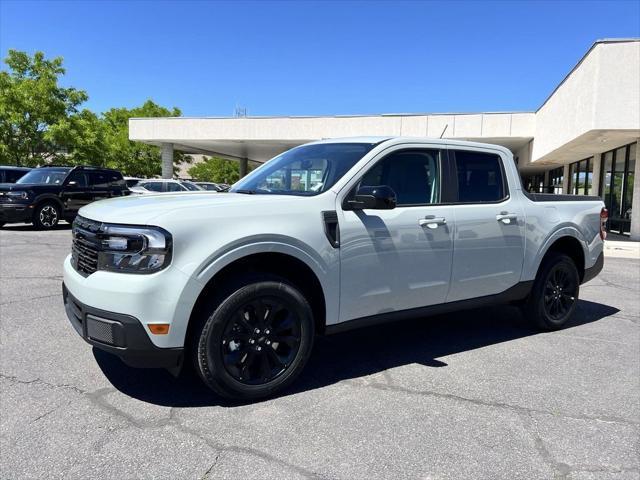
{"points": [[121, 335], [15, 213]]}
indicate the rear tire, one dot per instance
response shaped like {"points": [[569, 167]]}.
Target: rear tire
{"points": [[46, 216], [555, 292], [256, 340]]}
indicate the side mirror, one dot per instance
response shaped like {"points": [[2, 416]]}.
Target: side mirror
{"points": [[379, 197], [72, 183]]}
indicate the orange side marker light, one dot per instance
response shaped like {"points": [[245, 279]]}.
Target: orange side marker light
{"points": [[159, 328]]}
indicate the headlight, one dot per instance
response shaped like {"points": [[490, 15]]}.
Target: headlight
{"points": [[134, 249], [17, 194]]}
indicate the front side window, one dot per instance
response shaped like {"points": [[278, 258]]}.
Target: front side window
{"points": [[480, 177], [80, 178], [45, 176], [99, 180], [306, 170], [412, 174], [152, 186]]}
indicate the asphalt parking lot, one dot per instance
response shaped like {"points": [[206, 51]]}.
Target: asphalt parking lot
{"points": [[475, 395]]}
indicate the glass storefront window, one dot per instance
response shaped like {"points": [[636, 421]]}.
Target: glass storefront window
{"points": [[581, 177], [616, 187]]}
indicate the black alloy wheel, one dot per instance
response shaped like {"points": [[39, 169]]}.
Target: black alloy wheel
{"points": [[560, 292], [260, 340], [254, 338], [555, 292]]}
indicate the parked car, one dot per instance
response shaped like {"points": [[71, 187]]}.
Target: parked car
{"points": [[326, 237], [46, 195], [165, 185], [10, 174], [213, 187], [132, 181]]}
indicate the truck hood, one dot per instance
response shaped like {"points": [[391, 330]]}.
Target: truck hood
{"points": [[143, 209]]}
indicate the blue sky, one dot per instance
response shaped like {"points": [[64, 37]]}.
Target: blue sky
{"points": [[315, 58]]}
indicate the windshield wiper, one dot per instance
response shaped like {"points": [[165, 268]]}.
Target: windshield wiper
{"points": [[245, 191]]}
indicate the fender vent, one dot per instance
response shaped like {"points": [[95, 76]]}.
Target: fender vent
{"points": [[331, 228]]}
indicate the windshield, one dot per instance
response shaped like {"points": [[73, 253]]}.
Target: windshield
{"points": [[190, 186], [305, 170], [45, 176]]}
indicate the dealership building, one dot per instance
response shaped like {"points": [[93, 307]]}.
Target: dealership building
{"points": [[582, 140]]}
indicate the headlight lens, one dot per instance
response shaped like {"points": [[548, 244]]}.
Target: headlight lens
{"points": [[134, 249], [17, 195]]}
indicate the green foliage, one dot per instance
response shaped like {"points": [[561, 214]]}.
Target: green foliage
{"points": [[40, 122], [31, 103], [218, 170], [135, 158]]}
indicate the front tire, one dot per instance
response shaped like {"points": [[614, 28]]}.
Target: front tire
{"points": [[555, 292], [46, 216], [256, 341]]}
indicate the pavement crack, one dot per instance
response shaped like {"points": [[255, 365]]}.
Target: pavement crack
{"points": [[561, 470], [31, 299], [487, 403], [213, 465], [37, 381]]}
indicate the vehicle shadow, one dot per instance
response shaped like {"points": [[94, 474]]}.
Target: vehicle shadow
{"points": [[27, 227], [353, 354]]}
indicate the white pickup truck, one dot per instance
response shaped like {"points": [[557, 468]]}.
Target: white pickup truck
{"points": [[325, 237]]}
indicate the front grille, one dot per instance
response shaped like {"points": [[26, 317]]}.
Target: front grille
{"points": [[86, 245]]}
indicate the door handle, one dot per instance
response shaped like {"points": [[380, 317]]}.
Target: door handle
{"points": [[431, 221], [506, 217]]}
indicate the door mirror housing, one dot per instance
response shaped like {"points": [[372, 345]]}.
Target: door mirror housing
{"points": [[379, 197], [72, 183]]}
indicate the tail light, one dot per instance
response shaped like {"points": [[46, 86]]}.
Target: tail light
{"points": [[604, 216]]}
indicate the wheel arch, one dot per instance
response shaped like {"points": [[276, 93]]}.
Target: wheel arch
{"points": [[279, 263], [567, 241]]}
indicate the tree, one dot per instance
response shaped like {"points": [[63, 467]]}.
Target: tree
{"points": [[218, 170], [135, 158], [32, 106]]}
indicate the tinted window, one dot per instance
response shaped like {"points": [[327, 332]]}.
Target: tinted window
{"points": [[152, 186], [12, 176], [479, 177], [99, 179], [174, 187], [190, 186], [413, 175], [80, 178]]}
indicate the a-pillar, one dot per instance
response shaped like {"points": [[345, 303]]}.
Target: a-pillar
{"points": [[635, 211], [167, 160], [243, 167]]}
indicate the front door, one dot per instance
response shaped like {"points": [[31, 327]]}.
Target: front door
{"points": [[76, 192], [397, 259], [489, 234]]}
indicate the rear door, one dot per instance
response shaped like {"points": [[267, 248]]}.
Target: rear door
{"points": [[100, 184], [489, 226]]}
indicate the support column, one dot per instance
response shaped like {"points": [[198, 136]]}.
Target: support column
{"points": [[597, 170], [244, 163], [167, 160], [635, 210], [565, 179]]}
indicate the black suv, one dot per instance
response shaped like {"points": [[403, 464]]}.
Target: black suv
{"points": [[48, 194]]}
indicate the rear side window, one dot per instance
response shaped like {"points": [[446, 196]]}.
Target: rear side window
{"points": [[99, 180], [174, 187], [412, 174], [480, 177]]}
